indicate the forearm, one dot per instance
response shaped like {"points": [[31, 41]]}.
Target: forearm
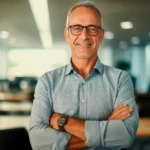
{"points": [[75, 143], [76, 127], [37, 137], [113, 133], [45, 138]]}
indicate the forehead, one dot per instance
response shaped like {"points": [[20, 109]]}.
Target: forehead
{"points": [[84, 16]]}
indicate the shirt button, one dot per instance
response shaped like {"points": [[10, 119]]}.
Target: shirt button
{"points": [[82, 101]]}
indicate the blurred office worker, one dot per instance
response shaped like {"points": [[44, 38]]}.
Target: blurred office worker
{"points": [[85, 104]]}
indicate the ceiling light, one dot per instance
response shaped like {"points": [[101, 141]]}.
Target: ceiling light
{"points": [[123, 44], [135, 40], [41, 16], [46, 39], [4, 34], [126, 25], [109, 35]]}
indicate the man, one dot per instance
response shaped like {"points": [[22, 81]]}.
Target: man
{"points": [[86, 104]]}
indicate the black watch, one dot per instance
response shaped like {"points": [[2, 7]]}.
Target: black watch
{"points": [[62, 121]]}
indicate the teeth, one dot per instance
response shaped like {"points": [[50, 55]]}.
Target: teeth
{"points": [[84, 44]]}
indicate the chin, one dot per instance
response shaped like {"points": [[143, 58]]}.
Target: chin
{"points": [[85, 56]]}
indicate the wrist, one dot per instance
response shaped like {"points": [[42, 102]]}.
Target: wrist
{"points": [[70, 123], [61, 122], [75, 127]]}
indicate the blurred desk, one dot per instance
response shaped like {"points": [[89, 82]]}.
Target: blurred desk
{"points": [[7, 122], [144, 127], [18, 108], [14, 103], [13, 97]]}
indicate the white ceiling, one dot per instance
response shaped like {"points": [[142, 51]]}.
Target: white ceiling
{"points": [[16, 17]]}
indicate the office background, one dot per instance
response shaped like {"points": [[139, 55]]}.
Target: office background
{"points": [[32, 43]]}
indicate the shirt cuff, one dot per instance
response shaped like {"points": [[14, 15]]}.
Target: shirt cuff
{"points": [[62, 141], [95, 132]]}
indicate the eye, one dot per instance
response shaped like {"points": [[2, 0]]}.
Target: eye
{"points": [[92, 29], [76, 28]]}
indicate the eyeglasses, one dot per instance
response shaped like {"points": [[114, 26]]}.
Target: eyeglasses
{"points": [[91, 29]]}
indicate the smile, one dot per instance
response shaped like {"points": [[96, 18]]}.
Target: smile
{"points": [[84, 44]]}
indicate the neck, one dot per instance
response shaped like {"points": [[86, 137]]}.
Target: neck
{"points": [[84, 66]]}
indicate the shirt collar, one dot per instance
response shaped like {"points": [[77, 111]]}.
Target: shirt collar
{"points": [[98, 66], [69, 68]]}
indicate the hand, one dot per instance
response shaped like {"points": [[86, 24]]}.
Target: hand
{"points": [[75, 144], [122, 112], [53, 121]]}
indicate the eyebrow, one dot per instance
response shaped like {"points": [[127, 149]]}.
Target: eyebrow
{"points": [[84, 26], [76, 25]]}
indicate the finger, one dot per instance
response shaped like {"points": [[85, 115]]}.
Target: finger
{"points": [[124, 113], [123, 110], [120, 107], [123, 117]]}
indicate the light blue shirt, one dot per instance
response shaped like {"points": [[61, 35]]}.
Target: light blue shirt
{"points": [[92, 99]]}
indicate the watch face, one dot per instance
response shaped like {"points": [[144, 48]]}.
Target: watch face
{"points": [[61, 121]]}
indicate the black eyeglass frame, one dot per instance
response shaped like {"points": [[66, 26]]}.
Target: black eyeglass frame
{"points": [[99, 28]]}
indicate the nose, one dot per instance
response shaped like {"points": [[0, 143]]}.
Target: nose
{"points": [[84, 34]]}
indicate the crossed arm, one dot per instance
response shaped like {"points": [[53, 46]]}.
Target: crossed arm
{"points": [[118, 132], [76, 127]]}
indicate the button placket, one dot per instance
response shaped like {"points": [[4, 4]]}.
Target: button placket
{"points": [[82, 100]]}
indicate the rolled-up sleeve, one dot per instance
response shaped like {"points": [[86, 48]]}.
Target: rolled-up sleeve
{"points": [[42, 136], [115, 133]]}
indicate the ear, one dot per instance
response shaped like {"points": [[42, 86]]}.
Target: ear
{"points": [[66, 35], [101, 36]]}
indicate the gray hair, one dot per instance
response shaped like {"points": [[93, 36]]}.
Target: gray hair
{"points": [[87, 4]]}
